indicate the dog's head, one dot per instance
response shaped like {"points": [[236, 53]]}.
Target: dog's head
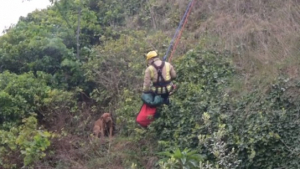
{"points": [[106, 117]]}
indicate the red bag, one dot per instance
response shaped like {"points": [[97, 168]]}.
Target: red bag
{"points": [[146, 115]]}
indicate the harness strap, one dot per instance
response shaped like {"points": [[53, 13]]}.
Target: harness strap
{"points": [[161, 82]]}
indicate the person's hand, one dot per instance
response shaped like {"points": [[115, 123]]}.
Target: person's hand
{"points": [[174, 89]]}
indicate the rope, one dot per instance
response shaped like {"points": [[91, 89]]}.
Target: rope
{"points": [[179, 35], [179, 31]]}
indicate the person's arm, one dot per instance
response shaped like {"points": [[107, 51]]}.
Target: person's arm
{"points": [[147, 81], [172, 72]]}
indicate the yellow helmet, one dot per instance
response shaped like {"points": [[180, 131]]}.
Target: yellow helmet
{"points": [[151, 54]]}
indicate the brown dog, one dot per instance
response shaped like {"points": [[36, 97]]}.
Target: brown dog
{"points": [[104, 123]]}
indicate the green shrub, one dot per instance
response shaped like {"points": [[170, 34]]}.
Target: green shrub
{"points": [[202, 76], [25, 143], [21, 95], [119, 64], [180, 159], [255, 130]]}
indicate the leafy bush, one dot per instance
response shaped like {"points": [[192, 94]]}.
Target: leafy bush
{"points": [[248, 131], [21, 95], [201, 77], [269, 126], [180, 159], [25, 143], [119, 64]]}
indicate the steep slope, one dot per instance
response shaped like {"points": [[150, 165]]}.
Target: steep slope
{"points": [[236, 105]]}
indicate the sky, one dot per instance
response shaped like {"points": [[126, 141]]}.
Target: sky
{"points": [[11, 10]]}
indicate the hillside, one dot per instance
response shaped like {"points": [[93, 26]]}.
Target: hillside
{"points": [[236, 106]]}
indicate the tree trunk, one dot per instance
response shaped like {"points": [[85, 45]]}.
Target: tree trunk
{"points": [[78, 33]]}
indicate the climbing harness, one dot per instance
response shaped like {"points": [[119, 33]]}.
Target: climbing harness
{"points": [[178, 32], [161, 83]]}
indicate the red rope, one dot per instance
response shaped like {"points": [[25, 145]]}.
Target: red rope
{"points": [[179, 35]]}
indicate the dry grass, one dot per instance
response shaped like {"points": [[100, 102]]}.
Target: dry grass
{"points": [[263, 35], [266, 30], [74, 152]]}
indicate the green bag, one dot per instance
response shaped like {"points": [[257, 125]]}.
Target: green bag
{"points": [[152, 99]]}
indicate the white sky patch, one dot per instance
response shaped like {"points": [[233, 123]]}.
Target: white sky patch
{"points": [[11, 10]]}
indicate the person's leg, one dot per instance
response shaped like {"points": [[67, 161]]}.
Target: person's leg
{"points": [[157, 113], [166, 98]]}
